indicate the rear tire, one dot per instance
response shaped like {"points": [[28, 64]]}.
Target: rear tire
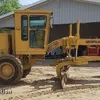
{"points": [[11, 70], [26, 72]]}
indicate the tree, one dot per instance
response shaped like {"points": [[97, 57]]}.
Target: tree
{"points": [[2, 1], [8, 6]]}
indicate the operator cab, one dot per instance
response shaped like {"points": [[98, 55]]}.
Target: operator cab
{"points": [[31, 31]]}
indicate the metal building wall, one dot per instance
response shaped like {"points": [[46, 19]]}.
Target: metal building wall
{"points": [[69, 11], [65, 12], [7, 22]]}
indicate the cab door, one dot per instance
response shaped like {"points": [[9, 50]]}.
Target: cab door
{"points": [[31, 31], [37, 28], [21, 33]]}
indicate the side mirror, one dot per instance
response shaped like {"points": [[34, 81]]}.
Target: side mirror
{"points": [[51, 21]]}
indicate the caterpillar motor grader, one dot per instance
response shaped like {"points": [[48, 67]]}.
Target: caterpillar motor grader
{"points": [[29, 43]]}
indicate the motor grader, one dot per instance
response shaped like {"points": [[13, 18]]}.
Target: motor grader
{"points": [[28, 43]]}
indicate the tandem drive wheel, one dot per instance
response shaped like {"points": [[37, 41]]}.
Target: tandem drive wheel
{"points": [[11, 70]]}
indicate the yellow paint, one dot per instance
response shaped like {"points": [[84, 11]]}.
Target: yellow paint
{"points": [[70, 29], [4, 44], [22, 47]]}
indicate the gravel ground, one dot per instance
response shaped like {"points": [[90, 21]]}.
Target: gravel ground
{"points": [[42, 84]]}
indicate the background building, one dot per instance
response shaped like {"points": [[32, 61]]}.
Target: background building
{"points": [[64, 13]]}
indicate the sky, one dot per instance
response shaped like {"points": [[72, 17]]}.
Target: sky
{"points": [[26, 2]]}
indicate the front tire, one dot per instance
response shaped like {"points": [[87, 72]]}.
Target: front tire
{"points": [[11, 70], [64, 81]]}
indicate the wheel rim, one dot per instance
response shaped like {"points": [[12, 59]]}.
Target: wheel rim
{"points": [[7, 71]]}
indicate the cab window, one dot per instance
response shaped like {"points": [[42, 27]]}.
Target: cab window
{"points": [[37, 38], [24, 27], [38, 21]]}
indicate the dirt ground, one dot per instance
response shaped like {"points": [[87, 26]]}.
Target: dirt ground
{"points": [[42, 84]]}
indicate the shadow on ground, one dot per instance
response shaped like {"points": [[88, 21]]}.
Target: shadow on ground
{"points": [[54, 84]]}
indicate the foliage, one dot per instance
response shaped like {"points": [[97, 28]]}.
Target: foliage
{"points": [[8, 6], [5, 30]]}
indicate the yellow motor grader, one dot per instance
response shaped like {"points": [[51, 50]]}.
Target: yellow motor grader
{"points": [[29, 43]]}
